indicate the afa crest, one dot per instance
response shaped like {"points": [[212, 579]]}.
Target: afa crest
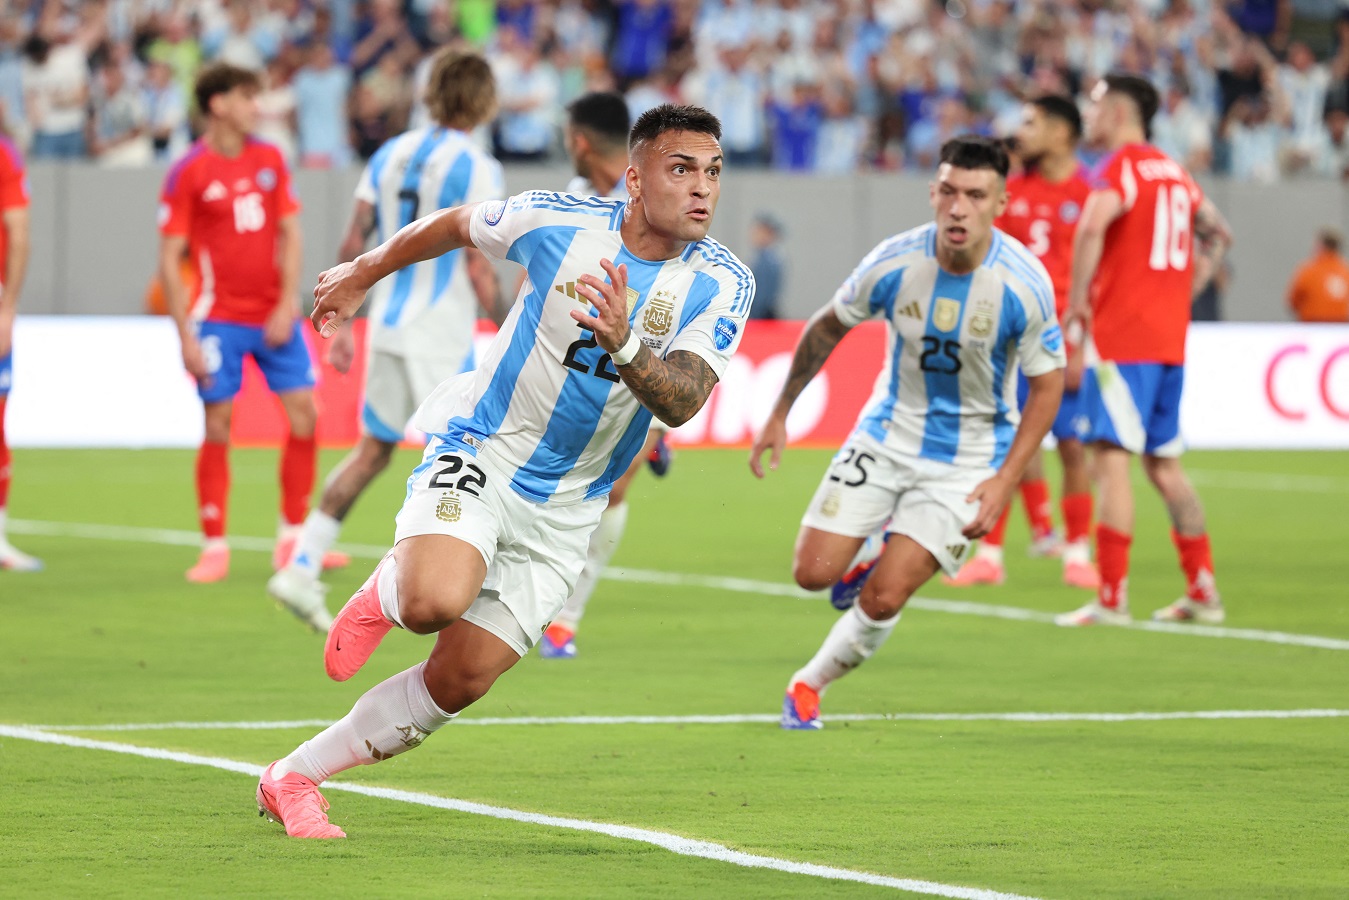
{"points": [[946, 313], [659, 314], [830, 507], [981, 323], [449, 509]]}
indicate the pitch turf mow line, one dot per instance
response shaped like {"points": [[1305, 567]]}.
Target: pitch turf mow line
{"points": [[674, 843], [743, 719], [647, 576]]}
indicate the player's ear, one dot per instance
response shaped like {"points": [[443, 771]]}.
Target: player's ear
{"points": [[633, 179], [1000, 205]]}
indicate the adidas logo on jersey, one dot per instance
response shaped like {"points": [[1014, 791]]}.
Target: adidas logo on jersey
{"points": [[957, 550], [214, 191], [569, 290], [913, 311]]}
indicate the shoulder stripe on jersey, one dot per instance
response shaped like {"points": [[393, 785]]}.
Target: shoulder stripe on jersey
{"points": [[1015, 261], [570, 203], [716, 253]]}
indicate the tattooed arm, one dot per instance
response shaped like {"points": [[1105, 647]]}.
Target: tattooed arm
{"points": [[821, 336], [1212, 239], [674, 389]]}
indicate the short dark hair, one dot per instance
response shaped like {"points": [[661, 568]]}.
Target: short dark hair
{"points": [[1139, 92], [974, 151], [1057, 106], [1329, 238], [221, 78], [668, 117], [603, 115]]}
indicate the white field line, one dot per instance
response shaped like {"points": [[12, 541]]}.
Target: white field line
{"points": [[671, 842], [1269, 481], [681, 579], [746, 719]]}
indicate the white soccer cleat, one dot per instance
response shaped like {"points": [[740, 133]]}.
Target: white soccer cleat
{"points": [[1049, 546], [1094, 613], [303, 596], [14, 560], [1187, 609]]}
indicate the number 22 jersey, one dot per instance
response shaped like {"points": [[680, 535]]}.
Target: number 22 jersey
{"points": [[948, 389], [229, 208], [545, 407]]}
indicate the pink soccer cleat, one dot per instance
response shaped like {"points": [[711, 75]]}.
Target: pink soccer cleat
{"points": [[980, 570], [295, 802], [213, 565], [1081, 575], [357, 630], [286, 545]]}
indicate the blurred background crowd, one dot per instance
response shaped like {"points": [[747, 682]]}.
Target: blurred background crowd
{"points": [[1254, 89]]}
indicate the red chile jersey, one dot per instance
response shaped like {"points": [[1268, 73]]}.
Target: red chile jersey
{"points": [[229, 209], [1141, 294], [1043, 215], [13, 192]]}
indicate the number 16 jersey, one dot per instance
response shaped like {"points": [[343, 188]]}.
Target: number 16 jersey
{"points": [[948, 389], [545, 407]]}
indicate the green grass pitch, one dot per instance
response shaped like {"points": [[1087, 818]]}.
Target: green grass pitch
{"points": [[1185, 807]]}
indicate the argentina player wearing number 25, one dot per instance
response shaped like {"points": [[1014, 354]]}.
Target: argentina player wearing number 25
{"points": [[938, 449], [629, 311]]}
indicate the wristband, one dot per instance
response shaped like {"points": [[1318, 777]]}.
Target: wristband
{"points": [[628, 352]]}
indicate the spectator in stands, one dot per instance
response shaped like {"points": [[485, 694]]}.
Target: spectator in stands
{"points": [[796, 129], [240, 40], [13, 121], [56, 92], [641, 39], [383, 31], [1303, 81], [1181, 131], [843, 134], [767, 264], [277, 104], [528, 91], [177, 47], [1319, 291], [165, 111], [1332, 156], [321, 87], [733, 88], [119, 133]]}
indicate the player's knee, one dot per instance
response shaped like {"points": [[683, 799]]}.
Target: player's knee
{"points": [[814, 573], [882, 600], [375, 455], [426, 606]]}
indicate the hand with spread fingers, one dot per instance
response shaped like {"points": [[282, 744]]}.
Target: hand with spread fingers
{"points": [[338, 295], [610, 299]]}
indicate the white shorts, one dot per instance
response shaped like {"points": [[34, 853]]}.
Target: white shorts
{"points": [[534, 551], [395, 386], [922, 499]]}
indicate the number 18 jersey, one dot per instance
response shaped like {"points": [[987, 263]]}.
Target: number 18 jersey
{"points": [[1141, 294], [545, 407], [948, 389]]}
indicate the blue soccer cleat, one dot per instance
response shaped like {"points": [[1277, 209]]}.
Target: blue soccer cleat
{"points": [[801, 708], [660, 458], [847, 589], [557, 643]]}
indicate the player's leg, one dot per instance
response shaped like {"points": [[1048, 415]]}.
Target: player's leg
{"points": [[1076, 503], [1189, 531], [559, 638], [1034, 489], [223, 346], [11, 559], [986, 566]]}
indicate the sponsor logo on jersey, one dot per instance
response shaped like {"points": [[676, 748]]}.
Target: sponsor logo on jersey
{"points": [[1070, 211], [266, 179], [492, 212], [956, 550], [912, 311], [723, 333], [214, 191], [449, 509], [946, 313], [473, 441], [1052, 339], [659, 315]]}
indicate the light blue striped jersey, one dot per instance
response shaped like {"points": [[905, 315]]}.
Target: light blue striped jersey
{"points": [[545, 408], [427, 309], [948, 389]]}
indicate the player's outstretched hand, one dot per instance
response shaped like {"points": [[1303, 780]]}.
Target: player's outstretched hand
{"points": [[992, 495], [772, 437], [610, 299], [337, 296], [342, 351]]}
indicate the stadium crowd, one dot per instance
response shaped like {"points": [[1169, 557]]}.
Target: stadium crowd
{"points": [[1254, 89]]}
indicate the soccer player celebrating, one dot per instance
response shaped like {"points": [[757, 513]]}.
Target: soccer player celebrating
{"points": [[938, 450], [525, 449], [597, 141], [13, 267], [229, 203], [1133, 278], [1043, 208], [422, 319]]}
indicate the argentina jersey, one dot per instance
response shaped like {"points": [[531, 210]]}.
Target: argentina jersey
{"points": [[545, 407], [427, 309], [948, 388]]}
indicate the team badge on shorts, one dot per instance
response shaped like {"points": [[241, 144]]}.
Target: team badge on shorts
{"points": [[659, 315], [449, 509], [829, 508], [946, 313]]}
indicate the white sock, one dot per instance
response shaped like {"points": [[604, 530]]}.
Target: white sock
{"points": [[387, 585], [215, 544], [990, 552], [1077, 552], [316, 537], [391, 718], [852, 640], [603, 542]]}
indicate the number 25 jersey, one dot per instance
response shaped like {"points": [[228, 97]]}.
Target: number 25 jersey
{"points": [[229, 208], [1143, 287], [545, 407], [948, 389]]}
